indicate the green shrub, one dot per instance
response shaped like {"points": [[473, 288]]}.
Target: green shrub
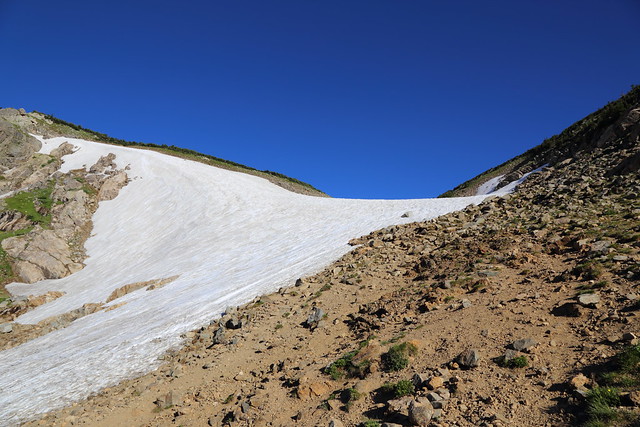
{"points": [[370, 423], [346, 367], [399, 389], [397, 358], [516, 362]]}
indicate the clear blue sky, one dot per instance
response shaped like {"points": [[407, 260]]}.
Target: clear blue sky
{"points": [[372, 99]]}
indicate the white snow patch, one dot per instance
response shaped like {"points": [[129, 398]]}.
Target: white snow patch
{"points": [[489, 186], [229, 236]]}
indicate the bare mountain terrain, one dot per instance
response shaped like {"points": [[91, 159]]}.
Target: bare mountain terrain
{"points": [[522, 310]]}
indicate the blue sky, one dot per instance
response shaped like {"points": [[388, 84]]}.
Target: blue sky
{"points": [[370, 99]]}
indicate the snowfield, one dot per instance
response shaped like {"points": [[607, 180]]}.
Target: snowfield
{"points": [[228, 236]]}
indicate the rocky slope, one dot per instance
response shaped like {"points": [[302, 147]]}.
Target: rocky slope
{"points": [[609, 125], [520, 311]]}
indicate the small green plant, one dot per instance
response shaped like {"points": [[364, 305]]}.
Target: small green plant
{"points": [[349, 396], [397, 358], [346, 367], [516, 362], [601, 403], [228, 399], [589, 270], [279, 326], [399, 389], [370, 423]]}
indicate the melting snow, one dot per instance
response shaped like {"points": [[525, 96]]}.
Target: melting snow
{"points": [[489, 186], [229, 236]]}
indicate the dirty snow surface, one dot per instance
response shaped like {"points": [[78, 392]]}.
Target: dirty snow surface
{"points": [[228, 236]]}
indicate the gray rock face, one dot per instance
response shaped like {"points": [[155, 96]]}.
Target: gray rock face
{"points": [[468, 359]]}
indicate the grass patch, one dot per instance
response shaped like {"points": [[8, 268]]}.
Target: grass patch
{"points": [[30, 203], [602, 402]]}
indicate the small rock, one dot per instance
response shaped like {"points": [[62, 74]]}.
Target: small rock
{"points": [[314, 318], [509, 354], [589, 300], [419, 380], [434, 397], [579, 382], [524, 344], [465, 303], [218, 336], [335, 423], [233, 323], [468, 359], [5, 328], [435, 382]]}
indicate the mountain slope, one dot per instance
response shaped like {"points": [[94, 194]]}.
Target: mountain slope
{"points": [[538, 289], [215, 238], [583, 137], [479, 279]]}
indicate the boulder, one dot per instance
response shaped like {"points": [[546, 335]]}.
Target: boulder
{"points": [[468, 359], [420, 413]]}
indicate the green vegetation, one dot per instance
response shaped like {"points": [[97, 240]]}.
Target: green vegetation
{"points": [[601, 403], [588, 270], [620, 375], [346, 367], [516, 362], [397, 358], [399, 389], [30, 203], [370, 423], [36, 206]]}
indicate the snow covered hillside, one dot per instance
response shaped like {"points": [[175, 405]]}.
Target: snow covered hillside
{"points": [[227, 236]]}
